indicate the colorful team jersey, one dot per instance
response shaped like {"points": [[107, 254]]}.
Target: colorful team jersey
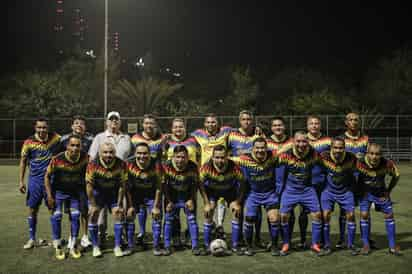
{"points": [[259, 176], [68, 176], [190, 143], [86, 140], [339, 175], [215, 180], [296, 171], [144, 181], [155, 145], [39, 154], [207, 141], [180, 185], [279, 145], [106, 179], [321, 143], [241, 143], [372, 178], [358, 145]]}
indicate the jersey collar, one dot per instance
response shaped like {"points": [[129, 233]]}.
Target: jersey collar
{"points": [[66, 155], [313, 138], [357, 136], [37, 137], [279, 140], [110, 165], [220, 170], [335, 160], [305, 153]]}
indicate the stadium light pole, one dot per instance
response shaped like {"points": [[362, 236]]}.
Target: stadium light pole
{"points": [[106, 61]]}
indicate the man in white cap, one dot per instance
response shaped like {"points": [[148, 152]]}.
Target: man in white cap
{"points": [[122, 144]]}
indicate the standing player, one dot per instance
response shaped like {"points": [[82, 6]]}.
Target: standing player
{"points": [[106, 179], [279, 141], [181, 177], [259, 170], [296, 167], [64, 182], [373, 169], [339, 167], [221, 177], [144, 193], [86, 138], [37, 151]]}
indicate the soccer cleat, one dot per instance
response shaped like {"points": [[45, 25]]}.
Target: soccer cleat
{"points": [[42, 243], [248, 251], [70, 243], [302, 246], [206, 252], [139, 239], [275, 251], [326, 251], [372, 244], [285, 250], [85, 242], [127, 252], [315, 248], [97, 252], [340, 245], [354, 251], [395, 251], [237, 251], [157, 251], [60, 254], [75, 253], [118, 252], [196, 251], [365, 251], [167, 251], [259, 243], [30, 244]]}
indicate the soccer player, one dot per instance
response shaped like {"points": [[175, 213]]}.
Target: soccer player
{"points": [[180, 181], [279, 141], [221, 177], [295, 171], [64, 182], [339, 167], [37, 151], [106, 179], [144, 193], [373, 169], [79, 128], [259, 170]]}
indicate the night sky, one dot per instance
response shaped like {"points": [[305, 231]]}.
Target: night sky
{"points": [[201, 34]]}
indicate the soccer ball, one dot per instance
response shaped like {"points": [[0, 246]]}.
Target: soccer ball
{"points": [[218, 247]]}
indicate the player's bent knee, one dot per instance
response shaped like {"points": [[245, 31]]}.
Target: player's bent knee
{"points": [[388, 216], [284, 218], [316, 215], [327, 215], [364, 215], [350, 216]]}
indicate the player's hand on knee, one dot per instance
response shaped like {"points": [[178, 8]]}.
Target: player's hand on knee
{"points": [[169, 206], [50, 203], [93, 210], [22, 187], [131, 211], [189, 205], [235, 208], [207, 210], [385, 197], [155, 213]]}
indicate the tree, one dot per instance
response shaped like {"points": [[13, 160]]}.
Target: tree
{"points": [[244, 90]]}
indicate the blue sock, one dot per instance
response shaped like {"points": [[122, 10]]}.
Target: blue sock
{"points": [[75, 223], [193, 229], [56, 222], [131, 227], [326, 234], [285, 233], [391, 231], [370, 226], [248, 232], [141, 217], [235, 233], [342, 226], [118, 228], [93, 231], [32, 221], [364, 227], [351, 233], [258, 223], [316, 231], [274, 230], [168, 229], [207, 230], [156, 228]]}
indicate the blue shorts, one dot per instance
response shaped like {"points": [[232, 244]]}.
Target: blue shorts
{"points": [[36, 192], [306, 198], [255, 200], [381, 206], [229, 195], [175, 213], [108, 200], [146, 203], [345, 201], [70, 201]]}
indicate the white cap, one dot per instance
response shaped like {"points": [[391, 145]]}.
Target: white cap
{"points": [[113, 113]]}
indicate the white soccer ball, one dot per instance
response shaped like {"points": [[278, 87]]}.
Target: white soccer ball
{"points": [[218, 247]]}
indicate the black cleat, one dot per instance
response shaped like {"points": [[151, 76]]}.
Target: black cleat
{"points": [[326, 251], [395, 251], [275, 251], [157, 251], [372, 244], [237, 251], [340, 245], [248, 251], [365, 251], [302, 246], [196, 251], [167, 251], [354, 251], [259, 243]]}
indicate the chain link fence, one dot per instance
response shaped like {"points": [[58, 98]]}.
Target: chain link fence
{"points": [[393, 132]]}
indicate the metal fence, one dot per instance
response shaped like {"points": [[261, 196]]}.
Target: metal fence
{"points": [[394, 132]]}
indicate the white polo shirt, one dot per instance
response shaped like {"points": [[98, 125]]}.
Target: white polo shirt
{"points": [[121, 142]]}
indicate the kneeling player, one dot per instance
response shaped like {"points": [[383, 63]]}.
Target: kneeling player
{"points": [[221, 177], [181, 178], [259, 170], [373, 169], [67, 171], [143, 193], [106, 179], [339, 167]]}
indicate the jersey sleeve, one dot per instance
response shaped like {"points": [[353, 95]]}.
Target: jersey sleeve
{"points": [[25, 150], [90, 173]]}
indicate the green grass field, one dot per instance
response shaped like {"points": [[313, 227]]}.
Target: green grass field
{"points": [[13, 259]]}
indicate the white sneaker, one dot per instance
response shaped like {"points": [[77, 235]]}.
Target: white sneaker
{"points": [[85, 242], [56, 243], [97, 252], [70, 243], [118, 252], [30, 244]]}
